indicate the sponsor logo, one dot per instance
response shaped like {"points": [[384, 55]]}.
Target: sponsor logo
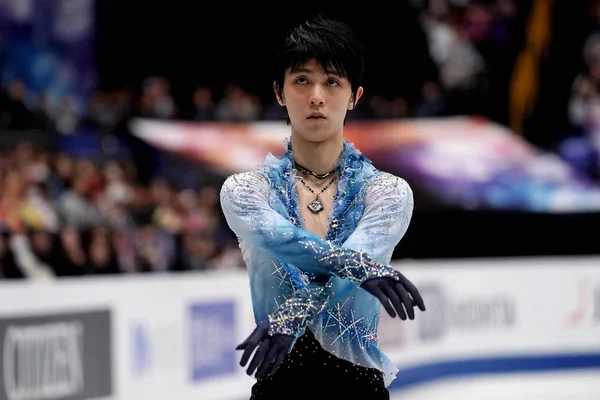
{"points": [[447, 313], [63, 356], [587, 307], [43, 361], [212, 339], [140, 348]]}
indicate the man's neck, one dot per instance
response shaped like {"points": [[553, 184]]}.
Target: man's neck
{"points": [[319, 157]]}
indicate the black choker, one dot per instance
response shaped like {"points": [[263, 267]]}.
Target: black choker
{"points": [[306, 171]]}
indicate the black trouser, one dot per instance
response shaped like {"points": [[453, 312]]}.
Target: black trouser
{"points": [[310, 372]]}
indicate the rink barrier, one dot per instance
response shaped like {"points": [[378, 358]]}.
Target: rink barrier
{"points": [[174, 335]]}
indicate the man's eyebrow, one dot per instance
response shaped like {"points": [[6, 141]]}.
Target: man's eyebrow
{"points": [[333, 72], [304, 70], [301, 70]]}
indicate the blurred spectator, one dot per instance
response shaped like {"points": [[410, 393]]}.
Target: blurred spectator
{"points": [[432, 103], [42, 112], [14, 113], [64, 216], [582, 148], [156, 100], [67, 117], [238, 105], [585, 98], [203, 104], [72, 257], [398, 108], [102, 256], [75, 205], [462, 68], [93, 209], [154, 248], [471, 43], [198, 250], [27, 255]]}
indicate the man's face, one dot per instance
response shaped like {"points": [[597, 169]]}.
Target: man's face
{"points": [[316, 101]]}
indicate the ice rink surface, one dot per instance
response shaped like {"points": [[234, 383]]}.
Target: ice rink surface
{"points": [[576, 385]]}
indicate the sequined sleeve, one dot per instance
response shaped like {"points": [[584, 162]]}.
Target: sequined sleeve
{"points": [[245, 203], [388, 212], [389, 205]]}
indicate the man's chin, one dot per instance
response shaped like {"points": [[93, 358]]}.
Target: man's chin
{"points": [[315, 137], [316, 134]]}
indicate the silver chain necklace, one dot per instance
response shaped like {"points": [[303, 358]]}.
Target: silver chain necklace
{"points": [[316, 206], [307, 171]]}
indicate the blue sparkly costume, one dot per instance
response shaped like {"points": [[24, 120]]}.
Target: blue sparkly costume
{"points": [[299, 280]]}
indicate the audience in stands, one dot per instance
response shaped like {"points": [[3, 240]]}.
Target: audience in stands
{"points": [[68, 212], [64, 216]]}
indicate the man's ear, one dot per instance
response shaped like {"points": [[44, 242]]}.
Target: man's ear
{"points": [[354, 98], [281, 99]]}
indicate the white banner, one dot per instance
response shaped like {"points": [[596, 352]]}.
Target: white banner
{"points": [[174, 336], [491, 317], [501, 307]]}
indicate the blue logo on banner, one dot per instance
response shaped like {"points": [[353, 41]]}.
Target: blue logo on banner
{"points": [[140, 348], [433, 325], [212, 341]]}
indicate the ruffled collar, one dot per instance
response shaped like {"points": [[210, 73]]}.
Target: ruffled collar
{"points": [[351, 162], [355, 169]]}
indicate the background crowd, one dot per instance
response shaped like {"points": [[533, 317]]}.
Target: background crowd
{"points": [[80, 195]]}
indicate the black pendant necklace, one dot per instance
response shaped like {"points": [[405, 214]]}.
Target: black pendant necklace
{"points": [[307, 171], [316, 206]]}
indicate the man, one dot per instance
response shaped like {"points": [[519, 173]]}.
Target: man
{"points": [[317, 228]]}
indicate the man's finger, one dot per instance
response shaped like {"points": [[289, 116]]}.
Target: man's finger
{"points": [[385, 302], [258, 356], [277, 363], [395, 299], [252, 342], [242, 345], [406, 300], [247, 353], [268, 360], [414, 292]]}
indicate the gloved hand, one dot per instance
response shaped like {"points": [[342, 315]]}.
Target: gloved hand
{"points": [[399, 291], [271, 350]]}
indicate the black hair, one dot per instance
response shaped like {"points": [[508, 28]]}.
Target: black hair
{"points": [[331, 43]]}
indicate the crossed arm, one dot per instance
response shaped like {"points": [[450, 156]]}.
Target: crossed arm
{"points": [[359, 262], [245, 203], [387, 215]]}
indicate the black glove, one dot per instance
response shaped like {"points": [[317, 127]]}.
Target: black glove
{"points": [[398, 292], [271, 350]]}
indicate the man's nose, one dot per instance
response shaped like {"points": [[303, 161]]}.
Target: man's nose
{"points": [[316, 96]]}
